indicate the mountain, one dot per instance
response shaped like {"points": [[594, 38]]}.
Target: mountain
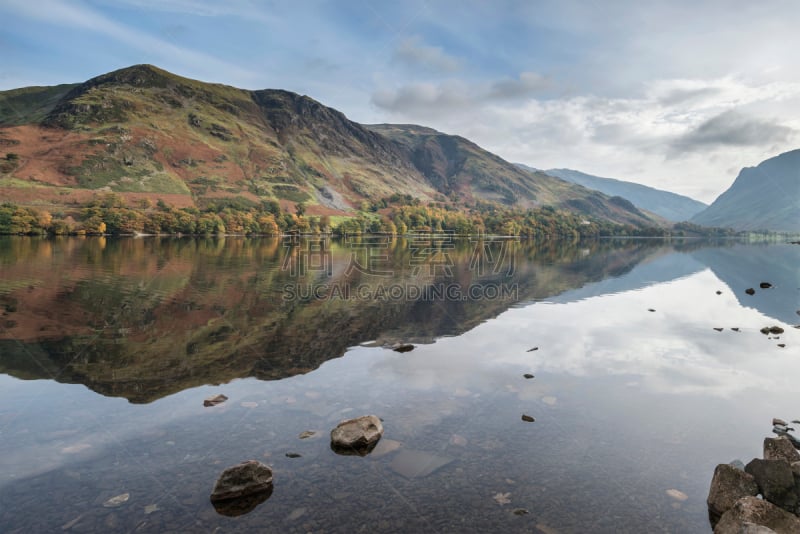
{"points": [[671, 206], [462, 170], [149, 135], [765, 197]]}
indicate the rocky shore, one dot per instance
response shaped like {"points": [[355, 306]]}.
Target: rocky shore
{"points": [[763, 496]]}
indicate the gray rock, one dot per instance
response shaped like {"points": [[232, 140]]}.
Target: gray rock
{"points": [[780, 447], [783, 432], [752, 528], [775, 482], [749, 512], [728, 485], [776, 421], [242, 480], [357, 436]]}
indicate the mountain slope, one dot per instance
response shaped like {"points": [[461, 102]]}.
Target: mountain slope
{"points": [[461, 170], [765, 197], [148, 135], [671, 206]]}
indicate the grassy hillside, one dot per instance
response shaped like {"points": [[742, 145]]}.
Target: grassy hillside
{"points": [[149, 135]]}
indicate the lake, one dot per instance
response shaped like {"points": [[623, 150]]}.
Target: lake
{"points": [[108, 348]]}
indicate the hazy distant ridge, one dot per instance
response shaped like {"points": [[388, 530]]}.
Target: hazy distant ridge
{"points": [[671, 206]]}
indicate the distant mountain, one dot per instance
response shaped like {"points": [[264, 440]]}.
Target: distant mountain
{"points": [[149, 135], [671, 206], [765, 197]]}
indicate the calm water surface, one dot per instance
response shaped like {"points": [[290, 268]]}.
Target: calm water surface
{"points": [[108, 348]]}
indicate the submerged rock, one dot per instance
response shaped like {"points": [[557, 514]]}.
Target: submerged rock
{"points": [[772, 330], [119, 500], [241, 505], [417, 464], [728, 485], [213, 401], [676, 494], [357, 436], [765, 285], [403, 347], [528, 418], [750, 291], [528, 375], [242, 480], [749, 511]]}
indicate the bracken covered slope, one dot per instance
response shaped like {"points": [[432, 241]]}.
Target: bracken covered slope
{"points": [[145, 133]]}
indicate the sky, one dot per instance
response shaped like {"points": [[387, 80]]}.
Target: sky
{"points": [[678, 95]]}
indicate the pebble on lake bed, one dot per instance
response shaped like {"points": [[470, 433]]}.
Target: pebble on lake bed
{"points": [[750, 291], [528, 418], [677, 494], [119, 500], [528, 376]]}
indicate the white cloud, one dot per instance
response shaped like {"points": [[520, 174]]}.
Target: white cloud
{"points": [[414, 53], [679, 135]]}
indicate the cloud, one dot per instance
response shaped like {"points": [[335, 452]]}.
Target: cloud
{"points": [[732, 128], [688, 95], [527, 85], [682, 135], [424, 98], [414, 53], [455, 96]]}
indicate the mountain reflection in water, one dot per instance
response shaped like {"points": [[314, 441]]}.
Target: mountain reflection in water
{"points": [[649, 370], [144, 318]]}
